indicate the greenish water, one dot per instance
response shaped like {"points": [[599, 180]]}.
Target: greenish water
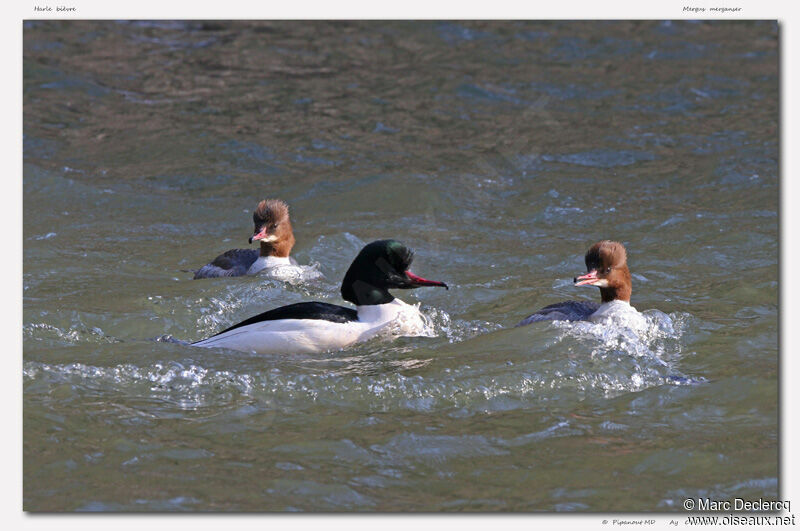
{"points": [[500, 152]]}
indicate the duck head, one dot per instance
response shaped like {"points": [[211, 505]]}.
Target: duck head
{"points": [[380, 266], [273, 228], [607, 268]]}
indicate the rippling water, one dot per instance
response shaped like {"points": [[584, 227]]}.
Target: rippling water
{"points": [[500, 152]]}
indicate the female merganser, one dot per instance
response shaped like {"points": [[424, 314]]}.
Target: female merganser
{"points": [[273, 229], [312, 327], [607, 266]]}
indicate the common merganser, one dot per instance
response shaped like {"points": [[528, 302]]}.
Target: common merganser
{"points": [[312, 327], [607, 269], [273, 229]]}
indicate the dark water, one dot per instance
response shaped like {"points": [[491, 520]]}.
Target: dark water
{"points": [[500, 152]]}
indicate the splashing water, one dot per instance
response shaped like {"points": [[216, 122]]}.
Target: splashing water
{"points": [[297, 275], [645, 345]]}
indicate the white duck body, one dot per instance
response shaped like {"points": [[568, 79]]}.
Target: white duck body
{"points": [[313, 335], [619, 313], [269, 262]]}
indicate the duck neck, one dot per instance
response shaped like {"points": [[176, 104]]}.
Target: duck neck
{"points": [[620, 288], [620, 292], [362, 293], [615, 294], [279, 249]]}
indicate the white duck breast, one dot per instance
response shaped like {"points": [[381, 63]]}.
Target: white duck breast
{"points": [[619, 313], [269, 262], [312, 335]]}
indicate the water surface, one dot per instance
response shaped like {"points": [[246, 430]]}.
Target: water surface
{"points": [[500, 152]]}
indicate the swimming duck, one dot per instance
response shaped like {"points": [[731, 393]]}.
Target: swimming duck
{"points": [[273, 229], [312, 327], [607, 269]]}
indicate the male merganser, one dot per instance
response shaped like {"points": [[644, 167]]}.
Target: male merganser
{"points": [[312, 327], [607, 266], [273, 229]]}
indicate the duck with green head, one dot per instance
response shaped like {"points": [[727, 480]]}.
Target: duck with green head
{"points": [[311, 327]]}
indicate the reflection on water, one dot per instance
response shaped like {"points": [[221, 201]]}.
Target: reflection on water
{"points": [[499, 151]]}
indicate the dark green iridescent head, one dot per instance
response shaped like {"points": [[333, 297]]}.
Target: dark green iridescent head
{"points": [[380, 266]]}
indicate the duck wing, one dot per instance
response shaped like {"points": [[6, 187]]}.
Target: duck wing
{"points": [[562, 311], [233, 263]]}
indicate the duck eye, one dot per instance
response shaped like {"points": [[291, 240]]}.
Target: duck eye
{"points": [[608, 270]]}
